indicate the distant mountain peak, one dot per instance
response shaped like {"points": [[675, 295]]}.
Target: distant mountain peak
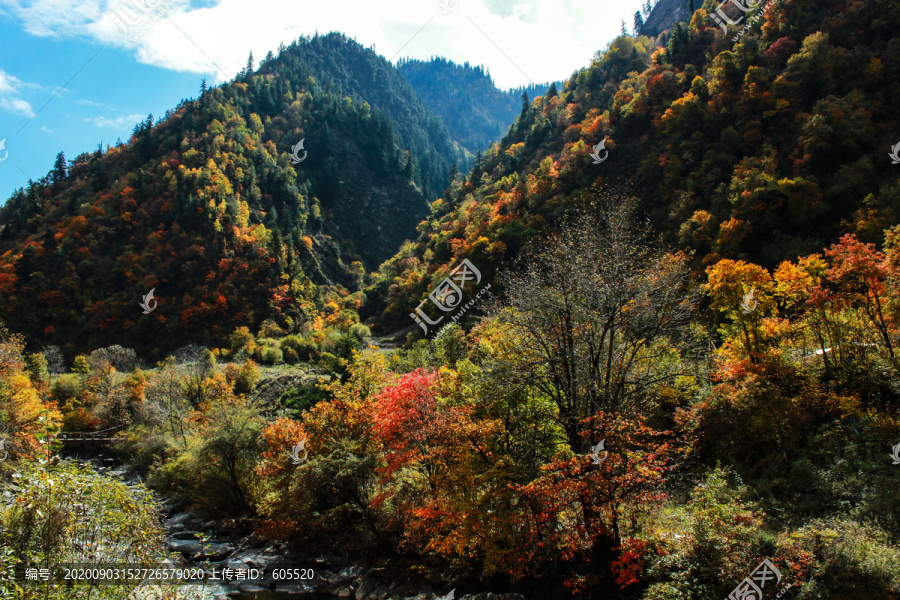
{"points": [[476, 112]]}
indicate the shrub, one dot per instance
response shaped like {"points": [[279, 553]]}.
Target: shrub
{"points": [[190, 353], [247, 377], [303, 348], [843, 559], [302, 398], [271, 355], [419, 355], [328, 344], [58, 516], [264, 351], [122, 359], [292, 342], [240, 338], [270, 329], [360, 331], [143, 446], [722, 539], [331, 363], [208, 361], [215, 471], [80, 365], [310, 349], [290, 356], [451, 346], [65, 389], [36, 366], [346, 345], [80, 419]]}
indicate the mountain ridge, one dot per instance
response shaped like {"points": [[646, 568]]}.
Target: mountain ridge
{"points": [[207, 207], [474, 110], [726, 145]]}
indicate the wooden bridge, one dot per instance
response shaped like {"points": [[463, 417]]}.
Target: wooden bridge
{"points": [[100, 435]]}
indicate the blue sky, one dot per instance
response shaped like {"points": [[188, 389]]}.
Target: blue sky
{"points": [[73, 75]]}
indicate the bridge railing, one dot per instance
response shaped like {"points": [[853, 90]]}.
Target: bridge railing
{"points": [[98, 435]]}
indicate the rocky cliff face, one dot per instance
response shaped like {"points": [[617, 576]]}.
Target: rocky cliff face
{"points": [[666, 13]]}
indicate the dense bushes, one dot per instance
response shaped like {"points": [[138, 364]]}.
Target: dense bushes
{"points": [[65, 514], [123, 359], [213, 468], [302, 398], [268, 351], [309, 345], [25, 412], [296, 348], [245, 378]]}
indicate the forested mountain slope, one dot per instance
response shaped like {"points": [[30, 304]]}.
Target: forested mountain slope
{"points": [[206, 206], [476, 113], [765, 148], [346, 68]]}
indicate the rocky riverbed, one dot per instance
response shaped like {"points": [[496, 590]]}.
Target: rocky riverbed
{"points": [[261, 570]]}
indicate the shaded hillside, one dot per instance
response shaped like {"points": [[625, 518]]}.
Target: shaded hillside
{"points": [[765, 149], [476, 113], [206, 207], [346, 68]]}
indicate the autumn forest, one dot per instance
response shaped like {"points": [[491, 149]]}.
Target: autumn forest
{"points": [[633, 334]]}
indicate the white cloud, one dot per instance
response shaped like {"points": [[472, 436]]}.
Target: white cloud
{"points": [[55, 18], [116, 123], [515, 39], [10, 99], [18, 106], [94, 104]]}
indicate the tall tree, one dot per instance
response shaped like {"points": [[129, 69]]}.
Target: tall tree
{"points": [[60, 169], [551, 91], [594, 305]]}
